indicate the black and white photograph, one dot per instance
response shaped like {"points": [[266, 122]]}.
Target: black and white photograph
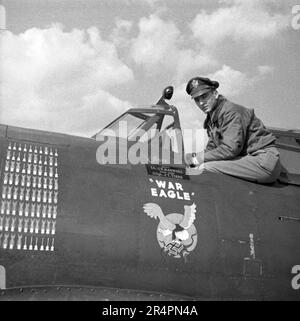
{"points": [[149, 152]]}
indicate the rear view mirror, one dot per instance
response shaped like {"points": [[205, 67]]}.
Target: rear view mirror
{"points": [[168, 92]]}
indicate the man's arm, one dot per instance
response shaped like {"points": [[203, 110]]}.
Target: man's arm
{"points": [[210, 145], [232, 142]]}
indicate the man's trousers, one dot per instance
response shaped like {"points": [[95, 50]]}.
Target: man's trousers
{"points": [[263, 166]]}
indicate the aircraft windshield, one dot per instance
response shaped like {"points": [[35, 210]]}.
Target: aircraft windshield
{"points": [[132, 123], [137, 125], [127, 125]]}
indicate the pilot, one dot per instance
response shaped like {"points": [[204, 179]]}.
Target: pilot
{"points": [[239, 144]]}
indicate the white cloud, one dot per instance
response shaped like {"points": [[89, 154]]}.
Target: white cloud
{"points": [[234, 82], [58, 80], [241, 20], [158, 46], [191, 62], [151, 3], [265, 70], [120, 34], [156, 40]]}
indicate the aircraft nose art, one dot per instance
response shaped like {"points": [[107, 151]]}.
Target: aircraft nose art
{"points": [[29, 197]]}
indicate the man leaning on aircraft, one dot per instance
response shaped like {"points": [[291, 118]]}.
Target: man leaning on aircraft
{"points": [[239, 144]]}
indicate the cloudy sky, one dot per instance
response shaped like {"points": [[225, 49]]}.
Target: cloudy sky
{"points": [[72, 66]]}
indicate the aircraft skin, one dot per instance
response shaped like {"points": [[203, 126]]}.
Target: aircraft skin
{"points": [[87, 227]]}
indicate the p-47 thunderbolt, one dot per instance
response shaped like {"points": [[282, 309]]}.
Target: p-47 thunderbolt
{"points": [[76, 226]]}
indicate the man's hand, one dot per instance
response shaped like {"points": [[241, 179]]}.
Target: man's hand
{"points": [[194, 159]]}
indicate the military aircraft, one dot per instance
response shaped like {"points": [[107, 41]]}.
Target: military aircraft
{"points": [[73, 228]]}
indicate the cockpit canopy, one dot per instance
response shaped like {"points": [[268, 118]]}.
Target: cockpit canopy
{"points": [[147, 125]]}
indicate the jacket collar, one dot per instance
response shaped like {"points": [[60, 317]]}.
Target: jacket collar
{"points": [[212, 117]]}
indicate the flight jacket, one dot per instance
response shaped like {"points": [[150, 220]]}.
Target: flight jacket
{"points": [[233, 131]]}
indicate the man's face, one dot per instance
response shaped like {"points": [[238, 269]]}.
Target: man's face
{"points": [[207, 101]]}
